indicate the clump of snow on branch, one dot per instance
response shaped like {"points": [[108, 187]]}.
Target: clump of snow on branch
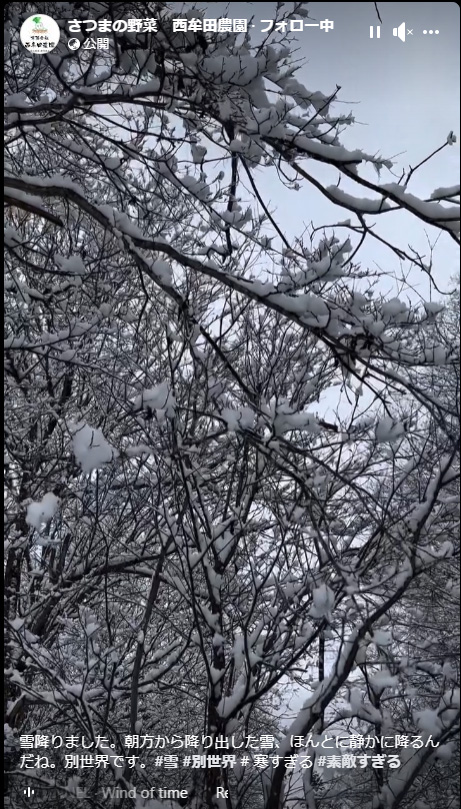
{"points": [[39, 513], [159, 398], [92, 451]]}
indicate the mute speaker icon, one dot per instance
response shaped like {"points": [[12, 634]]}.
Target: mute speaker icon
{"points": [[400, 32]]}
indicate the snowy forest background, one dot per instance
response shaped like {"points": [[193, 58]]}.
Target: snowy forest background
{"points": [[231, 457]]}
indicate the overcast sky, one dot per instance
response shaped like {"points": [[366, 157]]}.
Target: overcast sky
{"points": [[403, 95]]}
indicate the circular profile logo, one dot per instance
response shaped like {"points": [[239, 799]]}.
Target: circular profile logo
{"points": [[39, 34]]}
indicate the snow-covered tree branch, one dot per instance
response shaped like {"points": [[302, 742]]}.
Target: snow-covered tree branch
{"points": [[231, 455]]}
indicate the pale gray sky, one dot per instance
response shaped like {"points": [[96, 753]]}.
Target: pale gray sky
{"points": [[404, 96]]}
